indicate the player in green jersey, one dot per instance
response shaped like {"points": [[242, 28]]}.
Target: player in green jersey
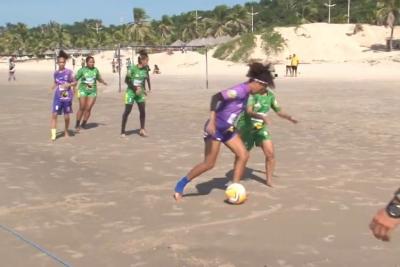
{"points": [[87, 91], [136, 92], [253, 127]]}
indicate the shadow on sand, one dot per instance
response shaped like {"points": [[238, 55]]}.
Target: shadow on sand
{"points": [[220, 183]]}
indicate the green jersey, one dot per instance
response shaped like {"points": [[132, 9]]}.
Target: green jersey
{"points": [[138, 76], [261, 104], [88, 78]]}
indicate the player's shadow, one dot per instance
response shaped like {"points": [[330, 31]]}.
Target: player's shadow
{"points": [[92, 125], [62, 134], [132, 132], [205, 188], [220, 183], [249, 174]]}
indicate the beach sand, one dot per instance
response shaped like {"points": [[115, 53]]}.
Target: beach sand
{"points": [[96, 199]]}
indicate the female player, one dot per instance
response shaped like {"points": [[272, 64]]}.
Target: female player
{"points": [[64, 83], [135, 79], [225, 108], [88, 77], [253, 128]]}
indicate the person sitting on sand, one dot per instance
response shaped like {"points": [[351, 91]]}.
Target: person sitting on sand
{"points": [[386, 219], [225, 108], [253, 127], [156, 70]]}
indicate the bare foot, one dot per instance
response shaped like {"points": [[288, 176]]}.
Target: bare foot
{"points": [[268, 182], [143, 133], [66, 134], [178, 197], [123, 135], [77, 129]]}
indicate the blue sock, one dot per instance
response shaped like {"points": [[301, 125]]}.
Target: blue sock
{"points": [[180, 186]]}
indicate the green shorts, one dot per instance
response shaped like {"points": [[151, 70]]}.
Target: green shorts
{"points": [[253, 137], [87, 93], [131, 97]]}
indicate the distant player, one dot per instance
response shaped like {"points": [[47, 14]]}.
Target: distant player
{"points": [[88, 77], [11, 69], [64, 83], [135, 93]]}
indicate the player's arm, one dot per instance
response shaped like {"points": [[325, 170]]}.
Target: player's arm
{"points": [[286, 116], [100, 79], [53, 86], [251, 113], [278, 110], [148, 82], [216, 102]]}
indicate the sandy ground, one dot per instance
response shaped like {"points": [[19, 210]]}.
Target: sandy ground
{"points": [[98, 200]]}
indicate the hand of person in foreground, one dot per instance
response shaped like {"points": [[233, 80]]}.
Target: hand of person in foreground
{"points": [[382, 225]]}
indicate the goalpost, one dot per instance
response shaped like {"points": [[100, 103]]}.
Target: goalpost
{"points": [[117, 51], [134, 47]]}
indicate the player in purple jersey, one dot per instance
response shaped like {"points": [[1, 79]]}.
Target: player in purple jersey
{"points": [[225, 108], [64, 82]]}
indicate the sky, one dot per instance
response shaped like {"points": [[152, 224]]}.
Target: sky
{"points": [[36, 12]]}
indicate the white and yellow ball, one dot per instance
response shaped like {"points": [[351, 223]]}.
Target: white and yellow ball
{"points": [[235, 194]]}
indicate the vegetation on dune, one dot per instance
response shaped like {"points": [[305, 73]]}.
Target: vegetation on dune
{"points": [[272, 42], [222, 20], [239, 49]]}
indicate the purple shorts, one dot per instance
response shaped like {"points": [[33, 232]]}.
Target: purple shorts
{"points": [[62, 107], [221, 134]]}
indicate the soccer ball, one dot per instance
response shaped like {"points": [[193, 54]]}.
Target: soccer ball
{"points": [[235, 194]]}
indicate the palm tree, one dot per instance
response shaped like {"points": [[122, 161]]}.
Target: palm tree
{"points": [[238, 20], [189, 27], [389, 13], [140, 30], [59, 35], [165, 28], [218, 24]]}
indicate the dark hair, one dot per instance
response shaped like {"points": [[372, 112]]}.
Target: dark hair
{"points": [[142, 55], [89, 58], [62, 54], [261, 72]]}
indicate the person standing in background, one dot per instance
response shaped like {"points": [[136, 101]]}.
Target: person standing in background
{"points": [[295, 63]]}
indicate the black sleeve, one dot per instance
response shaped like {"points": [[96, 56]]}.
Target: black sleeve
{"points": [[129, 82], [216, 101]]}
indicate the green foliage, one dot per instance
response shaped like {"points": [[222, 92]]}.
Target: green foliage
{"points": [[222, 20], [238, 49], [273, 42]]}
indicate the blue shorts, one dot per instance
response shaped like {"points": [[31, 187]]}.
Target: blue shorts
{"points": [[62, 107], [221, 134]]}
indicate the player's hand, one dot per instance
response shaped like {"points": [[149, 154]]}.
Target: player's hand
{"points": [[291, 119], [211, 129], [382, 224], [267, 120]]}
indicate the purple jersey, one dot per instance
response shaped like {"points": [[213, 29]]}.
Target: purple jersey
{"points": [[235, 100], [62, 77]]}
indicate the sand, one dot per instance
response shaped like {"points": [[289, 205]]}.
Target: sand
{"points": [[98, 200]]}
